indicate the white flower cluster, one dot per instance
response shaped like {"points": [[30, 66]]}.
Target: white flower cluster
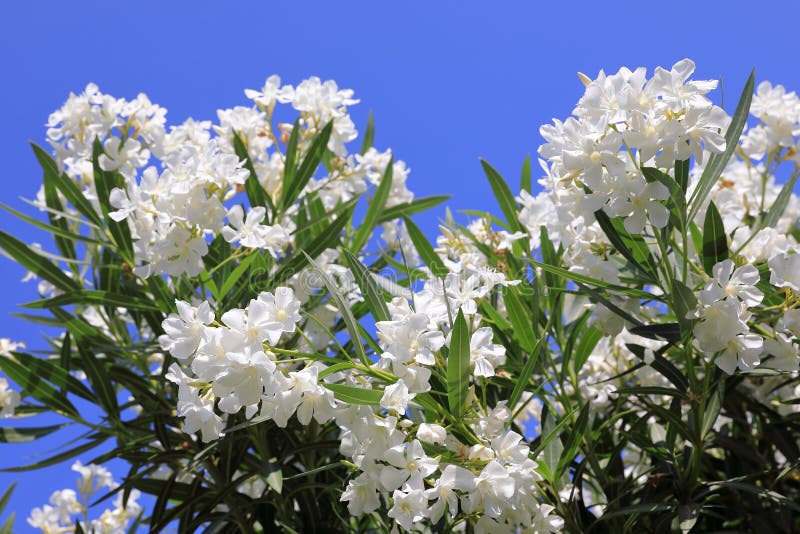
{"points": [[494, 477], [65, 505], [175, 205], [593, 160], [236, 365], [229, 363], [622, 122]]}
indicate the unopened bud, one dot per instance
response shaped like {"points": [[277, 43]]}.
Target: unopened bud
{"points": [[585, 80]]}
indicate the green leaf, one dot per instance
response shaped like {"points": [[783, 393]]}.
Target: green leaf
{"points": [[55, 372], [682, 175], [58, 458], [573, 442], [58, 224], [55, 230], [256, 194], [551, 444], [355, 395], [504, 196], [91, 297], [369, 134], [104, 183], [67, 187], [665, 367], [588, 341], [633, 248], [374, 209], [525, 179], [344, 309], [373, 295], [6, 496], [524, 375], [755, 490], [458, 360], [659, 331], [684, 302], [99, 378], [34, 385], [712, 409], [327, 239], [289, 167], [237, 273], [654, 390], [308, 166], [715, 242], [410, 208], [520, 319], [779, 206], [425, 249], [25, 434], [583, 279], [37, 264], [717, 162]]}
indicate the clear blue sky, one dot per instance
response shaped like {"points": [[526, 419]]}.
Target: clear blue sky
{"points": [[448, 82]]}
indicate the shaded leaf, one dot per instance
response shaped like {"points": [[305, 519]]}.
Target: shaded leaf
{"points": [[715, 242]]}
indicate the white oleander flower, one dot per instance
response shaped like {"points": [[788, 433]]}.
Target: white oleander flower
{"points": [[729, 283]]}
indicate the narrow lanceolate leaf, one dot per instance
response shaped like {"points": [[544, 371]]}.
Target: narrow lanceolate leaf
{"points": [[355, 395], [458, 366], [290, 164], [504, 196], [6, 496], [37, 264], [712, 410], [520, 319], [717, 162], [632, 247], [374, 209], [684, 302], [573, 443], [344, 309], [57, 230], [370, 290], [323, 241], [583, 279], [308, 166], [779, 206], [410, 208], [665, 367], [65, 245], [425, 249], [67, 187], [369, 134], [682, 174], [525, 179], [104, 183], [25, 434], [551, 443], [95, 297], [527, 370], [55, 372], [715, 242], [32, 384], [100, 379], [255, 193]]}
